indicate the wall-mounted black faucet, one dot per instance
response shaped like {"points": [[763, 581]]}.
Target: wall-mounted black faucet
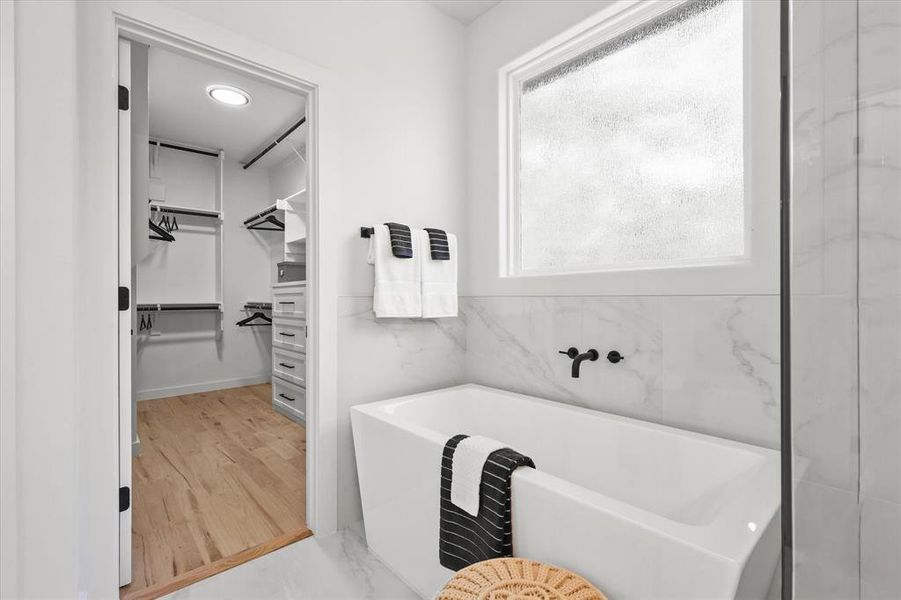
{"points": [[578, 359]]}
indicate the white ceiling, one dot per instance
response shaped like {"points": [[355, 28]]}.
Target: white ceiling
{"points": [[181, 110], [465, 11]]}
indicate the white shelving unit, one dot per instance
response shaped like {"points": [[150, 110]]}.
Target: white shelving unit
{"points": [[218, 215]]}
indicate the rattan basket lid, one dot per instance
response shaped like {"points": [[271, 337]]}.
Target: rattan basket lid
{"points": [[517, 579]]}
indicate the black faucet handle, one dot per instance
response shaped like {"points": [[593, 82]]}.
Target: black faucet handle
{"points": [[572, 352]]}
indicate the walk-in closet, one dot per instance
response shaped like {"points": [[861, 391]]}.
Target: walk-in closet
{"points": [[218, 228]]}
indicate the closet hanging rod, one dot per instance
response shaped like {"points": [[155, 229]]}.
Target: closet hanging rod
{"points": [[277, 141], [178, 307], [261, 214], [181, 210], [258, 306], [183, 148]]}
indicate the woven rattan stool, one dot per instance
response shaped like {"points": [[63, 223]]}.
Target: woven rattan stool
{"points": [[517, 579]]}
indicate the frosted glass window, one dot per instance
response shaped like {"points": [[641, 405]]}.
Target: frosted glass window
{"points": [[632, 153]]}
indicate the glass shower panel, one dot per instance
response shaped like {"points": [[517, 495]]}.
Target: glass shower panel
{"points": [[846, 307]]}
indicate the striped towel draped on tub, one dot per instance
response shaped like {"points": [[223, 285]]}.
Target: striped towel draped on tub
{"points": [[463, 539]]}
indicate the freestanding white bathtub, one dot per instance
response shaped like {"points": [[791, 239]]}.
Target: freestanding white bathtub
{"points": [[643, 511]]}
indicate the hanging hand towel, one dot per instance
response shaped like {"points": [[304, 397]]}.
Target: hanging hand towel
{"points": [[398, 285], [466, 478], [463, 539], [439, 274]]}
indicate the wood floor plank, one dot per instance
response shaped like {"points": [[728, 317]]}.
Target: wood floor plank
{"points": [[221, 479]]}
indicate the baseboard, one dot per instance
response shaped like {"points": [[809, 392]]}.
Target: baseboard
{"points": [[196, 388]]}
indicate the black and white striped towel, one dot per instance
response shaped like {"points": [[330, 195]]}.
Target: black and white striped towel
{"points": [[438, 244], [401, 240], [464, 540]]}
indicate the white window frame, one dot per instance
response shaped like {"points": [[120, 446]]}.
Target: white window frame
{"points": [[754, 273]]}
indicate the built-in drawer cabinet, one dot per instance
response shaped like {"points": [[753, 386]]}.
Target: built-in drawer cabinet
{"points": [[289, 399], [289, 300], [289, 334], [290, 366]]}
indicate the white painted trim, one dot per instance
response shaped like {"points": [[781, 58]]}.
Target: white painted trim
{"points": [[757, 273], [99, 26], [125, 316], [9, 546], [207, 386]]}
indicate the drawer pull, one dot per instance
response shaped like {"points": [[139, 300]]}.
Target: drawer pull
{"points": [[292, 302], [286, 365], [286, 398], [286, 334]]}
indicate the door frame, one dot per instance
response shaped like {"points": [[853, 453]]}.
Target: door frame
{"points": [[101, 24]]}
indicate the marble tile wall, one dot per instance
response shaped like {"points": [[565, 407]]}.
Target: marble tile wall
{"points": [[385, 358], [880, 298], [707, 364], [846, 315], [824, 299]]}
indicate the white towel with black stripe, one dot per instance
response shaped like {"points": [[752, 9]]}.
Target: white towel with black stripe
{"points": [[464, 539], [439, 274], [397, 291]]}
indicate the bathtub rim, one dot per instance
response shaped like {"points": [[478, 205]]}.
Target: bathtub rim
{"points": [[726, 537]]}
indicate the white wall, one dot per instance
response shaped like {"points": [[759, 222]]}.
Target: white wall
{"points": [[400, 66], [188, 355], [393, 78], [47, 437], [8, 476]]}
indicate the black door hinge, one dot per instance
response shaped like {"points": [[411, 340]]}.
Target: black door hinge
{"points": [[123, 97], [124, 498], [123, 298]]}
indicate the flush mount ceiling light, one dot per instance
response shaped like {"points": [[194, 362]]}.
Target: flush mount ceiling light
{"points": [[228, 95]]}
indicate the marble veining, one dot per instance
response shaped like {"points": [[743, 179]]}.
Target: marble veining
{"points": [[721, 371], [708, 364], [384, 358], [846, 311]]}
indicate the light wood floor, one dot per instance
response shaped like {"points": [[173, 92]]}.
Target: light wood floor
{"points": [[220, 480]]}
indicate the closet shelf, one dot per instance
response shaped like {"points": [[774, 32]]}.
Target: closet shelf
{"points": [[258, 306], [184, 210], [185, 306]]}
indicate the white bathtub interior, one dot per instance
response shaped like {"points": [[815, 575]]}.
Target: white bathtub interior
{"points": [[684, 478]]}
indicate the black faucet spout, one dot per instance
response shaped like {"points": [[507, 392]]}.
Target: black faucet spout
{"points": [[578, 360]]}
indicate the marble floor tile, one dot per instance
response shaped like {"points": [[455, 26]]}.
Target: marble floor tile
{"points": [[337, 567]]}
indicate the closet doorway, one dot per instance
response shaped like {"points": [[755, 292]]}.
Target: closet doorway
{"points": [[214, 220]]}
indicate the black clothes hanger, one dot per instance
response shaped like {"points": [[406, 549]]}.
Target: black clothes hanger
{"points": [[161, 234], [257, 315], [272, 220], [143, 325]]}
